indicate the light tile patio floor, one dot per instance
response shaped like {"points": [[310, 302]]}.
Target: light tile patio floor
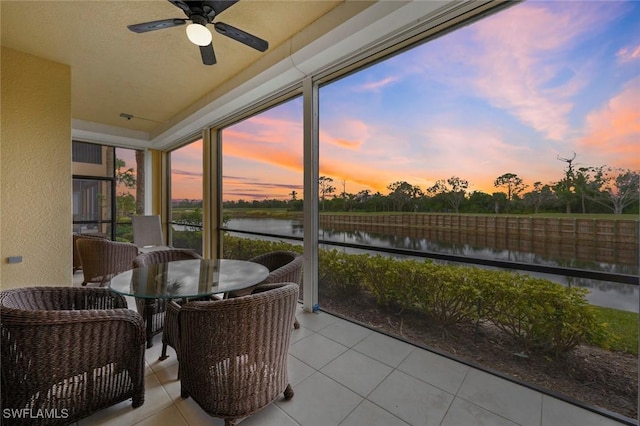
{"points": [[346, 374]]}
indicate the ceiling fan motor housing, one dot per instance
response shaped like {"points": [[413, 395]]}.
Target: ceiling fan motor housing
{"points": [[199, 19], [200, 12]]}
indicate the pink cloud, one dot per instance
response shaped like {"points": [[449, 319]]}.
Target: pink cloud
{"points": [[377, 85], [629, 54], [265, 129], [263, 148], [613, 131], [357, 176], [264, 153], [186, 171], [266, 140], [516, 63], [480, 155], [480, 162], [347, 144], [353, 133]]}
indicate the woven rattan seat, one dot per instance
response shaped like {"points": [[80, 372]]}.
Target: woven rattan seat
{"points": [[284, 266], [72, 351], [102, 259], [153, 310], [77, 263], [233, 352]]}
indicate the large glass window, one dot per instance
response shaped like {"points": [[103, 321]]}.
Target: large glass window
{"points": [[93, 188], [92, 205], [499, 146], [476, 195], [186, 196], [262, 178], [105, 189], [130, 189]]}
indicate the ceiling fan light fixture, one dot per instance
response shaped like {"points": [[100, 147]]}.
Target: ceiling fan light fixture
{"points": [[199, 34], [201, 14]]}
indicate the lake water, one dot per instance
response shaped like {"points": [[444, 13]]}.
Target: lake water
{"points": [[602, 293]]}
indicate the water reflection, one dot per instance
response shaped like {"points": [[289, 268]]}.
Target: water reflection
{"points": [[563, 259], [602, 293]]}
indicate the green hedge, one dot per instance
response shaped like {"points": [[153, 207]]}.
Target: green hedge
{"points": [[539, 314], [246, 248]]}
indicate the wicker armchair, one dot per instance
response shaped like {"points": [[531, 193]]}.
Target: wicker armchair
{"points": [[284, 266], [77, 264], [233, 362], [153, 310], [71, 351], [102, 259]]}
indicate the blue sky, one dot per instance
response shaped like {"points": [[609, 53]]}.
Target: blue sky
{"points": [[507, 94]]}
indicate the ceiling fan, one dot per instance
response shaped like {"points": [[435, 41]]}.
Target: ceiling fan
{"points": [[201, 13]]}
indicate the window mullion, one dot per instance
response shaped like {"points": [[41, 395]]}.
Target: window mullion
{"points": [[311, 169]]}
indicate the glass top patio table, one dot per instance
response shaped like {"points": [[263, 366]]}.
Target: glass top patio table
{"points": [[189, 278]]}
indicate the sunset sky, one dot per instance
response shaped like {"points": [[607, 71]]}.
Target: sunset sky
{"points": [[508, 94]]}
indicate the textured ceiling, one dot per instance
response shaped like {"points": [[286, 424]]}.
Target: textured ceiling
{"points": [[153, 76]]}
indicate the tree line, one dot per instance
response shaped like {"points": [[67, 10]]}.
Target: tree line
{"points": [[601, 189]]}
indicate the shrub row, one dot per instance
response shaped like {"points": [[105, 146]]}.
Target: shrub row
{"points": [[246, 248], [537, 313]]}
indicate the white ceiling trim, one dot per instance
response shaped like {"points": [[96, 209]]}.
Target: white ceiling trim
{"points": [[364, 32], [263, 85], [108, 135]]}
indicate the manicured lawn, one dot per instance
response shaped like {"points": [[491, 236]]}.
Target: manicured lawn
{"points": [[539, 215], [624, 326], [585, 216]]}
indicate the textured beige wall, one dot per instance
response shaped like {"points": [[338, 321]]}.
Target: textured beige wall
{"points": [[35, 171]]}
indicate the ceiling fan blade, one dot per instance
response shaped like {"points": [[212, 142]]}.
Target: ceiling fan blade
{"points": [[220, 5], [156, 25], [239, 35], [208, 56]]}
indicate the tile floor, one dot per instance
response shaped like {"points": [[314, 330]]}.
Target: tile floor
{"points": [[345, 374]]}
